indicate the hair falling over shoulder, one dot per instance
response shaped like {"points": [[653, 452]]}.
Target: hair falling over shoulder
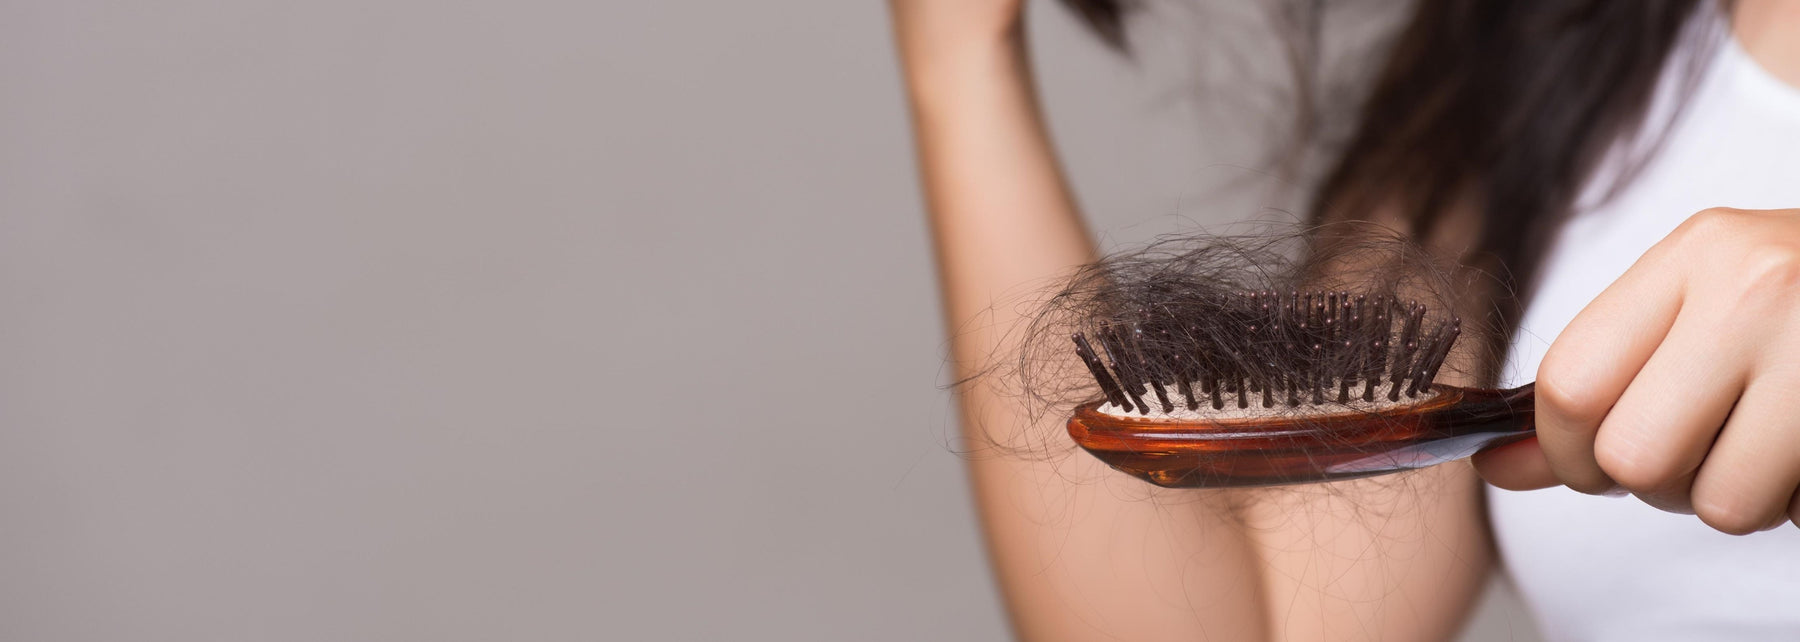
{"points": [[1498, 105]]}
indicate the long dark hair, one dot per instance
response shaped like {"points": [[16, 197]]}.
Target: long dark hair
{"points": [[1501, 105]]}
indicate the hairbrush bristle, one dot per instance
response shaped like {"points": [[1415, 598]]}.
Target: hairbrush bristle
{"points": [[1269, 351]]}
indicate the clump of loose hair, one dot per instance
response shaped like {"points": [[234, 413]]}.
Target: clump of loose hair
{"points": [[1285, 316]]}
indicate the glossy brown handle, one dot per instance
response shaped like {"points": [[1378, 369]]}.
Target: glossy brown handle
{"points": [[1453, 423]]}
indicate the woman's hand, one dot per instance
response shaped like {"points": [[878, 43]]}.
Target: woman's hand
{"points": [[1681, 382]]}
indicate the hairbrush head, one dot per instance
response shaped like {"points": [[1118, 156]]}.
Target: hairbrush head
{"points": [[1278, 388], [1264, 354], [1284, 356]]}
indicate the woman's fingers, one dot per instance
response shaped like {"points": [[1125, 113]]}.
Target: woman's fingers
{"points": [[1592, 362], [1749, 478], [1516, 466], [1654, 436], [1657, 433], [1678, 382]]}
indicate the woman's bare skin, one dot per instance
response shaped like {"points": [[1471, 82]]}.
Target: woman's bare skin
{"points": [[1079, 553]]}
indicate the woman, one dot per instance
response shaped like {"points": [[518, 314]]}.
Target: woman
{"points": [[1578, 146]]}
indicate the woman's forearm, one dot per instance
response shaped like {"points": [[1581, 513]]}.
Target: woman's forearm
{"points": [[1001, 214]]}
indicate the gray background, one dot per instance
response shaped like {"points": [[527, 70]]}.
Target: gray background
{"points": [[539, 320]]}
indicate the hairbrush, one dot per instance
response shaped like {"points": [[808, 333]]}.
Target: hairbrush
{"points": [[1264, 388]]}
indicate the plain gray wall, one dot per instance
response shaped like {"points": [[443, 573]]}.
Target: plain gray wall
{"points": [[410, 320]]}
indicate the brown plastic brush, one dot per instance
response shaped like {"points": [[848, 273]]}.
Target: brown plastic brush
{"points": [[1285, 388]]}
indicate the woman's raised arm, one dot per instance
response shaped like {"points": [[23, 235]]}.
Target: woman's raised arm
{"points": [[1080, 552]]}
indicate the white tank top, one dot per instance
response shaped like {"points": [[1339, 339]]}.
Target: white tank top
{"points": [[1603, 568]]}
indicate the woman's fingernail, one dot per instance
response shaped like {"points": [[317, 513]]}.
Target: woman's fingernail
{"points": [[1616, 491]]}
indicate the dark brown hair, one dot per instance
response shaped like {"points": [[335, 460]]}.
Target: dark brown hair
{"points": [[1500, 105]]}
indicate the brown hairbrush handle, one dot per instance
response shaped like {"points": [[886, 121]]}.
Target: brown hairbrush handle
{"points": [[1306, 447]]}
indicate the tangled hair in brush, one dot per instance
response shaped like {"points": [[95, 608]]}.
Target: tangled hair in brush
{"points": [[1230, 314]]}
